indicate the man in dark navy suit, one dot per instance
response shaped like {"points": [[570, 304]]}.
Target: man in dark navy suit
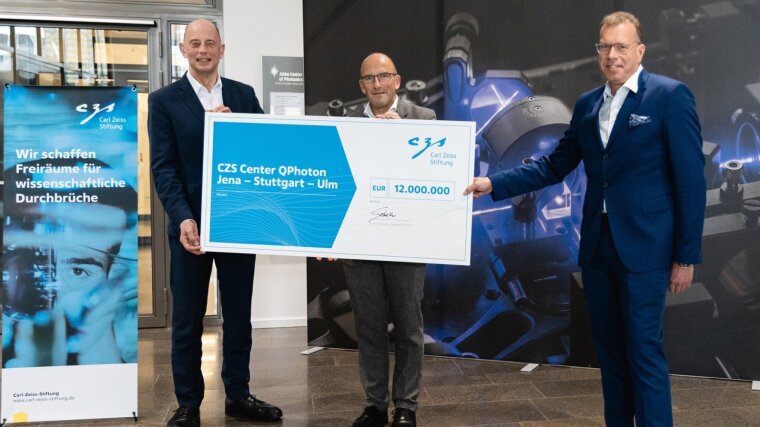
{"points": [[640, 142], [175, 125]]}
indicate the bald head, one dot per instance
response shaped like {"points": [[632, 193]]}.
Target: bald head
{"points": [[378, 59], [379, 82], [202, 25]]}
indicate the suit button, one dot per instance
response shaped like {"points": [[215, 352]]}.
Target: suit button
{"points": [[605, 156], [605, 185]]}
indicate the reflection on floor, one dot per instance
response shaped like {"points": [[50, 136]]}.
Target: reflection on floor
{"points": [[323, 389]]}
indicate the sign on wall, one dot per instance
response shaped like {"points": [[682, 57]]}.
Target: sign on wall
{"points": [[283, 85]]}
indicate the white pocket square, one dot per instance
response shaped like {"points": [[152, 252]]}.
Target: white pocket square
{"points": [[635, 120]]}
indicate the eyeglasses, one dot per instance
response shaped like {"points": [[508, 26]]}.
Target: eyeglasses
{"points": [[620, 47], [382, 78]]}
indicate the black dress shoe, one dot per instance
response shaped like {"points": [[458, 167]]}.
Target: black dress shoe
{"points": [[371, 417], [251, 408], [185, 417], [403, 417]]}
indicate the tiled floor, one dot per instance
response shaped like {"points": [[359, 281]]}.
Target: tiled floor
{"points": [[323, 389]]}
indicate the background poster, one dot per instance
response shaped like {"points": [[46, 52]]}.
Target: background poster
{"points": [[515, 68], [69, 253]]}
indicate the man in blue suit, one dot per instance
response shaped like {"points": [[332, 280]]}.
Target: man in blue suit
{"points": [[175, 126], [640, 142]]}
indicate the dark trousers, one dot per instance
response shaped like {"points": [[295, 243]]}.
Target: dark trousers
{"points": [[189, 285], [381, 291], [626, 311]]}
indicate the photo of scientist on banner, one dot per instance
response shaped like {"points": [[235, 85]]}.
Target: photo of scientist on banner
{"points": [[67, 278]]}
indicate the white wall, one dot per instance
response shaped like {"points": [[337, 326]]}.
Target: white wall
{"points": [[252, 29], [256, 28]]}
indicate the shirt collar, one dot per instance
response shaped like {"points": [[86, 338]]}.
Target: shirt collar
{"points": [[632, 84], [368, 110], [197, 86]]}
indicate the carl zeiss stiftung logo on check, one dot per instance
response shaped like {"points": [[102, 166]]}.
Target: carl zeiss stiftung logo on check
{"points": [[436, 157]]}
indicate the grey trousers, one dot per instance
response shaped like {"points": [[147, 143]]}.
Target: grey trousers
{"points": [[380, 292]]}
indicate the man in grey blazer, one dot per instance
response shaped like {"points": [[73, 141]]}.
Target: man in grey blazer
{"points": [[380, 290]]}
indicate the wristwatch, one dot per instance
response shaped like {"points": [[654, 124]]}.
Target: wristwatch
{"points": [[682, 265]]}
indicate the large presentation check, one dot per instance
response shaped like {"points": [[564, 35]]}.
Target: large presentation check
{"points": [[353, 188]]}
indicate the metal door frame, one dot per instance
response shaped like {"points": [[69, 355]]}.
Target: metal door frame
{"points": [[126, 15]]}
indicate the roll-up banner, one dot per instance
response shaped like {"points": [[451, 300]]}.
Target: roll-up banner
{"points": [[69, 253]]}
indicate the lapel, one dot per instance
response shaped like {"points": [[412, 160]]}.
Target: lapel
{"points": [[228, 95], [629, 105], [190, 97], [594, 117], [402, 109]]}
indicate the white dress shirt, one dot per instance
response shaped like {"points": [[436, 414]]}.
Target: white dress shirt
{"points": [[368, 109], [209, 99], [611, 107], [612, 104]]}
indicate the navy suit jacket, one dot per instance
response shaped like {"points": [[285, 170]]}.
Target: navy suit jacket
{"points": [[175, 126], [651, 175]]}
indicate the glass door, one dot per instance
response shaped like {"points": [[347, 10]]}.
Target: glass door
{"points": [[63, 55]]}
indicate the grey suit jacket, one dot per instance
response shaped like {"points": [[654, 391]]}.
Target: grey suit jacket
{"points": [[405, 110]]}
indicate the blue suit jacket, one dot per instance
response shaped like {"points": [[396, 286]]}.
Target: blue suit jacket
{"points": [[651, 174], [175, 126]]}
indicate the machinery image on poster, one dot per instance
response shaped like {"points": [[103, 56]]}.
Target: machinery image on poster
{"points": [[515, 68], [69, 249]]}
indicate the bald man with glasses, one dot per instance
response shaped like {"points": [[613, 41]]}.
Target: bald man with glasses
{"points": [[383, 290]]}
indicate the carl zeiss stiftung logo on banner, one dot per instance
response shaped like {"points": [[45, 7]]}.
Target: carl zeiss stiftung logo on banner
{"points": [[104, 121]]}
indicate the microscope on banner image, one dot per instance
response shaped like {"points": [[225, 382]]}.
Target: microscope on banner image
{"points": [[521, 298], [731, 249], [513, 301], [515, 297]]}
